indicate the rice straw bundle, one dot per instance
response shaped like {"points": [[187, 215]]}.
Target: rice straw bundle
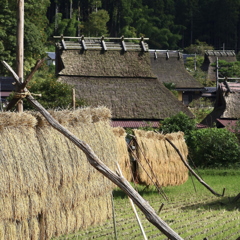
{"points": [[123, 154], [48, 188], [159, 160]]}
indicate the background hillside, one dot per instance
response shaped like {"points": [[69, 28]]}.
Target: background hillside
{"points": [[170, 24]]}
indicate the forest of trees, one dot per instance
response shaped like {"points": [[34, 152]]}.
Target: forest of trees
{"points": [[169, 24]]}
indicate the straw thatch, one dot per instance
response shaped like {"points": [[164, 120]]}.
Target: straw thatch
{"points": [[93, 63], [226, 105], [123, 154], [48, 188], [210, 58], [169, 68], [158, 161], [121, 81]]}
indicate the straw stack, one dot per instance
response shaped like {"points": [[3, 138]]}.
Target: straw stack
{"points": [[47, 186], [158, 160], [123, 154]]}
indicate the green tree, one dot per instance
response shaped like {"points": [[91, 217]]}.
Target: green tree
{"points": [[8, 32], [193, 66], [228, 69], [201, 108], [198, 48], [179, 122], [214, 147], [66, 27], [54, 93], [35, 22], [97, 24]]}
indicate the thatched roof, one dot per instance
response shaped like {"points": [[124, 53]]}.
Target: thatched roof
{"points": [[227, 103], [128, 98], [169, 68], [210, 57], [94, 63], [120, 80]]}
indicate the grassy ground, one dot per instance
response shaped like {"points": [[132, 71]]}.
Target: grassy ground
{"points": [[191, 210]]}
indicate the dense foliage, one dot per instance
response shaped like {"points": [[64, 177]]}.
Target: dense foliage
{"points": [[228, 69], [176, 24], [35, 36], [209, 147], [169, 24], [179, 122], [54, 94], [214, 147]]}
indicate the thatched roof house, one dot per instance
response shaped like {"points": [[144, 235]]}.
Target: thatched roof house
{"points": [[226, 105], [211, 56], [117, 75], [169, 68]]}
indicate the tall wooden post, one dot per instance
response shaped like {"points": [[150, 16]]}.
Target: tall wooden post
{"points": [[73, 99], [217, 80], [20, 47]]}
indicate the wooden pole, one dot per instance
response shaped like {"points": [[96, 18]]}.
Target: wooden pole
{"points": [[217, 67], [134, 209], [93, 159], [114, 220], [121, 182], [193, 173], [73, 99], [20, 47]]}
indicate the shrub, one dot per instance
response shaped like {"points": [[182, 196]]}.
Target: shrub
{"points": [[55, 94], [179, 122], [214, 147]]}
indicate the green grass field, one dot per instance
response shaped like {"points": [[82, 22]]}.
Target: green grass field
{"points": [[191, 210]]}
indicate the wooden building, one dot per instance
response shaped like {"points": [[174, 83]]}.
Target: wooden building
{"points": [[211, 57], [6, 86], [169, 68], [226, 110], [117, 75]]}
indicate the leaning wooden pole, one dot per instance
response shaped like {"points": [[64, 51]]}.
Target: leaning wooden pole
{"points": [[93, 159], [121, 182], [134, 209], [193, 173]]}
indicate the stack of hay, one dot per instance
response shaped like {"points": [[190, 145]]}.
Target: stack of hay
{"points": [[47, 186], [123, 154], [159, 160]]}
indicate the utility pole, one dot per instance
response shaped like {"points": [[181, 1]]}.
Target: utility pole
{"points": [[20, 47]]}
